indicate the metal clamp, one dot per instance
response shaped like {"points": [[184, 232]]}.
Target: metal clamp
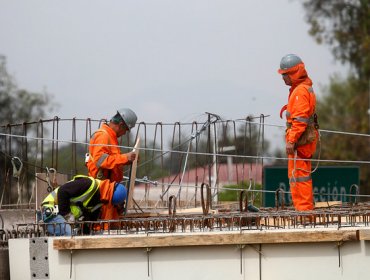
{"points": [[51, 184], [17, 170]]}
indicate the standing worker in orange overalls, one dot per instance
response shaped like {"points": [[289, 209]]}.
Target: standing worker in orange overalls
{"points": [[105, 160], [301, 132]]}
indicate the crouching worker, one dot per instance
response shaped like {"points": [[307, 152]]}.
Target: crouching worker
{"points": [[80, 200]]}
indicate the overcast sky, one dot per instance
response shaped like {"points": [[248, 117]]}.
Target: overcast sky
{"points": [[168, 60]]}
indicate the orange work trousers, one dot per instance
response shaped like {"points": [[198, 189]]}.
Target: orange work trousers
{"points": [[299, 173]]}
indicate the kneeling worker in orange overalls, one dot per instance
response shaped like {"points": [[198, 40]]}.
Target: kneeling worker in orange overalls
{"points": [[301, 132]]}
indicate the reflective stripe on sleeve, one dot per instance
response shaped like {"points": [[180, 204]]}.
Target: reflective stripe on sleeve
{"points": [[300, 179], [101, 160]]}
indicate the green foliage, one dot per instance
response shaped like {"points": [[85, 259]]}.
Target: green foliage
{"points": [[342, 109], [18, 105], [232, 193], [151, 162], [342, 106], [246, 138], [345, 26], [67, 162]]}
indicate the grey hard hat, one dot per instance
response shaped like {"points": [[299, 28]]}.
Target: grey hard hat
{"points": [[128, 116], [289, 61]]}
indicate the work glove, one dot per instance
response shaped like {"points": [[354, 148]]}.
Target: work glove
{"points": [[47, 213], [69, 218]]}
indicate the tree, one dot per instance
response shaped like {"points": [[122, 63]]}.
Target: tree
{"points": [[345, 26], [19, 105], [340, 110], [18, 108]]}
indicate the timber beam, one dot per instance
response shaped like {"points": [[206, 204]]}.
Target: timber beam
{"points": [[208, 239]]}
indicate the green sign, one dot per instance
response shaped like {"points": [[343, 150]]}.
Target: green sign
{"points": [[329, 184]]}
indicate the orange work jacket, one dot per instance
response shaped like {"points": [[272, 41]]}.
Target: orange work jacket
{"points": [[300, 108], [104, 154]]}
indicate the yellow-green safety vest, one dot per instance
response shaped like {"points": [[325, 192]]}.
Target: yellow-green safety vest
{"points": [[52, 199]]}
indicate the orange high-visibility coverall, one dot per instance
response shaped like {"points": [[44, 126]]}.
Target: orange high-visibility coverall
{"points": [[106, 189], [300, 107], [105, 154]]}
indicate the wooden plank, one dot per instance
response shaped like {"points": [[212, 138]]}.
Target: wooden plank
{"points": [[326, 204], [205, 239], [130, 200], [364, 234]]}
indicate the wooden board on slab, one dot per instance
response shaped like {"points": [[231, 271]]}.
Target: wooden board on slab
{"points": [[327, 204], [206, 239], [130, 200]]}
